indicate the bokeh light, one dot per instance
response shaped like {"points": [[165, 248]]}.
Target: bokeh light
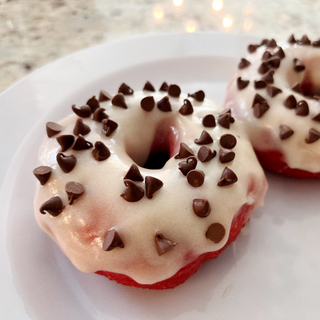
{"points": [[158, 13], [217, 5], [191, 27], [177, 3], [227, 21]]}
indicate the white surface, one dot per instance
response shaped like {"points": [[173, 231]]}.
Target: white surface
{"points": [[271, 272]]}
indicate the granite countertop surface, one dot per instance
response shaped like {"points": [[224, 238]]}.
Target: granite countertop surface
{"points": [[34, 33]]}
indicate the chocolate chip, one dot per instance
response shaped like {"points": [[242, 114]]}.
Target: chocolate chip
{"points": [[290, 102], [132, 193], [81, 144], [119, 101], [292, 39], [152, 186], [273, 91], [184, 151], [164, 104], [313, 136], [268, 78], [225, 119], [74, 190], [125, 89], [100, 151], [272, 44], [316, 43], [81, 128], [187, 108], [134, 173], [188, 165], [53, 128], [109, 126], [252, 48], [174, 91], [100, 115], [149, 87], [201, 207], [43, 174], [163, 245], [285, 132], [66, 163], [316, 117], [93, 103], [264, 67], [298, 66], [195, 178], [104, 96], [259, 84], [302, 108], [297, 88], [258, 99], [259, 109], [241, 84], [304, 41], [198, 96], [215, 232], [279, 53], [244, 63], [264, 42], [112, 241], [53, 206], [228, 141], [205, 138], [274, 62], [83, 112], [226, 155], [266, 55], [147, 103], [227, 178], [205, 154], [209, 121], [164, 87], [65, 141]]}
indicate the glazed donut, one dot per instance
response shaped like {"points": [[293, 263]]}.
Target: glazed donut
{"points": [[276, 93], [143, 187]]}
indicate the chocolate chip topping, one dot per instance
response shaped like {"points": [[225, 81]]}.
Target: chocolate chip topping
{"points": [[259, 84], [205, 154], [66, 163], [100, 151], [316, 117], [74, 190], [147, 103], [292, 39], [274, 62], [252, 48], [174, 91], [82, 112], [244, 63], [298, 66], [52, 206], [100, 115], [225, 119], [104, 96], [184, 151], [81, 144], [305, 41], [268, 78], [264, 42], [186, 108], [263, 68], [209, 121], [109, 126], [152, 185], [164, 104], [81, 128], [195, 178], [198, 96], [112, 241], [132, 192], [279, 53], [266, 55], [226, 155], [65, 141], [302, 108], [259, 109], [316, 43], [134, 173], [43, 174], [53, 128], [227, 177], [273, 91], [258, 99], [93, 103], [188, 165], [296, 88], [290, 102], [149, 87], [272, 44], [313, 136], [215, 232], [164, 87], [228, 141], [205, 138], [285, 132], [163, 245], [241, 84], [201, 207], [119, 101], [125, 89]]}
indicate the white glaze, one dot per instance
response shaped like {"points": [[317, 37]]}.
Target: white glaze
{"points": [[81, 228]]}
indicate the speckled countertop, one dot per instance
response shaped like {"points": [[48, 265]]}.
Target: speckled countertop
{"points": [[36, 32]]}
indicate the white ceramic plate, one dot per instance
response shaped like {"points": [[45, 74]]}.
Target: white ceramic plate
{"points": [[272, 272]]}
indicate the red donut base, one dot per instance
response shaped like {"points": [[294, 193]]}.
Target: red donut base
{"points": [[184, 273], [273, 160]]}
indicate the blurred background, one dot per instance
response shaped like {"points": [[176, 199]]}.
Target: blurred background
{"points": [[36, 32]]}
